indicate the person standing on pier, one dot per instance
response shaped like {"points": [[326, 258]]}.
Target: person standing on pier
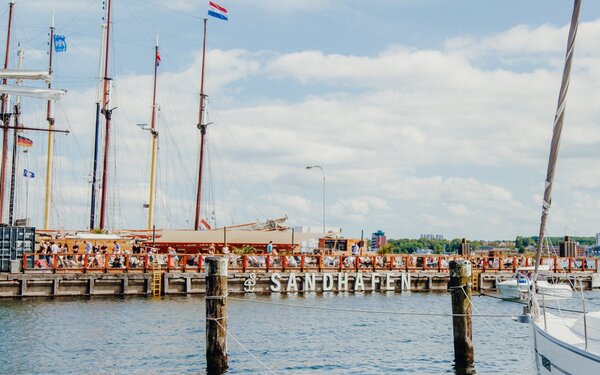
{"points": [[270, 247]]}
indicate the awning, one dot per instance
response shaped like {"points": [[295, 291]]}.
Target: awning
{"points": [[234, 236]]}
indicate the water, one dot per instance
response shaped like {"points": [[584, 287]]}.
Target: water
{"points": [[166, 336]]}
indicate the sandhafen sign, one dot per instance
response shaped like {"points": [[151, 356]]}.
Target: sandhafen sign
{"points": [[340, 282]]}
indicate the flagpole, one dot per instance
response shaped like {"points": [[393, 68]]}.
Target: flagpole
{"points": [[202, 128], [4, 118], [27, 186], [154, 133], [50, 137]]}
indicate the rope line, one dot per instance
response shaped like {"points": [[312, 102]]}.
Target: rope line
{"points": [[215, 297], [243, 347], [217, 319], [370, 311], [525, 303], [488, 323]]}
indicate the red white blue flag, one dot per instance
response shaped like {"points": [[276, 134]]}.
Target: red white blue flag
{"points": [[217, 11]]}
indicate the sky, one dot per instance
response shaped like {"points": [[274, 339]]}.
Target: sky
{"points": [[427, 116]]}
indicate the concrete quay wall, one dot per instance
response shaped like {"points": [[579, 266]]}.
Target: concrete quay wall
{"points": [[173, 283]]}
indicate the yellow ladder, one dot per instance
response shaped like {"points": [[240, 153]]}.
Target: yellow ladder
{"points": [[475, 280], [156, 278]]}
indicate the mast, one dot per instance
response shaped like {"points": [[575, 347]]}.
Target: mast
{"points": [[17, 109], [154, 133], [558, 125], [97, 133], [5, 117], [107, 115], [202, 128], [50, 136]]}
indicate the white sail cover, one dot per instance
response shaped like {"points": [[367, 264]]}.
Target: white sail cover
{"points": [[32, 92], [25, 74]]}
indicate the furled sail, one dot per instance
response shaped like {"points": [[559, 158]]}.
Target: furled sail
{"points": [[557, 130], [25, 74], [32, 92]]}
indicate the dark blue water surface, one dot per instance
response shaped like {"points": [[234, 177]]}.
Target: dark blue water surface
{"points": [[137, 335]]}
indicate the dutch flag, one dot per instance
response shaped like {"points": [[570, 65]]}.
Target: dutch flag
{"points": [[217, 11]]}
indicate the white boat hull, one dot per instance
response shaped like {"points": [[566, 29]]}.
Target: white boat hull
{"points": [[511, 290], [518, 289], [554, 290], [554, 356]]}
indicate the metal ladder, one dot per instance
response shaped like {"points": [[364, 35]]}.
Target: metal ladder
{"points": [[156, 278]]}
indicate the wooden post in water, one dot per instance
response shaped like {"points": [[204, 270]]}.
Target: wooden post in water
{"points": [[460, 289], [216, 315]]}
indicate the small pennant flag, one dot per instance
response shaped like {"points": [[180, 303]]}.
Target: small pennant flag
{"points": [[24, 141], [27, 173], [60, 43], [217, 11], [158, 60]]}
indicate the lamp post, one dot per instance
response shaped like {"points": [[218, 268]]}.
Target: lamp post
{"points": [[323, 172]]}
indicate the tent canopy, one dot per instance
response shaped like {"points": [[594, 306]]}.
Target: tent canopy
{"points": [[234, 236]]}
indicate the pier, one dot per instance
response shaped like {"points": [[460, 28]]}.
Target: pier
{"points": [[166, 274]]}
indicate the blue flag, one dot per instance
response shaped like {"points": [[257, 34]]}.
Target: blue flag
{"points": [[60, 44], [27, 173]]}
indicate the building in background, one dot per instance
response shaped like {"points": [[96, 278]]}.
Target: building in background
{"points": [[431, 236], [378, 239], [597, 239]]}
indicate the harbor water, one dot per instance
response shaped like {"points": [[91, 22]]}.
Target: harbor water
{"points": [[166, 335]]}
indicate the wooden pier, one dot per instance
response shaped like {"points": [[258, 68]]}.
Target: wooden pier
{"points": [[185, 274]]}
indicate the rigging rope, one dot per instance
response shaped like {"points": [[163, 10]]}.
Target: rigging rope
{"points": [[243, 347], [485, 320], [368, 311]]}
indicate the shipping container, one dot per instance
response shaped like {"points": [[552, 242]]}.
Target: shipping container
{"points": [[14, 241]]}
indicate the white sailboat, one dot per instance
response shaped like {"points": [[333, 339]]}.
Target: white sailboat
{"points": [[519, 285], [563, 345]]}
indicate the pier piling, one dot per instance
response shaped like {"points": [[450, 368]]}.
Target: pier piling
{"points": [[216, 315], [460, 289]]}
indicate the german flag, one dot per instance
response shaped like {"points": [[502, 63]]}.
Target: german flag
{"points": [[24, 142]]}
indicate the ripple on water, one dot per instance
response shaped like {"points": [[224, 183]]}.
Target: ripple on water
{"points": [[166, 336]]}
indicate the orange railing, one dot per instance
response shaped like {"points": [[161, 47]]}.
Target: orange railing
{"points": [[70, 262]]}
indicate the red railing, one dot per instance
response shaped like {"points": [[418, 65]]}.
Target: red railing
{"points": [[69, 262]]}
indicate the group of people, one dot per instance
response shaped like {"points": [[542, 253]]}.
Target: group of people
{"points": [[56, 254]]}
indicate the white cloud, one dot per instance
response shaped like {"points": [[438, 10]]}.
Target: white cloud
{"points": [[411, 140]]}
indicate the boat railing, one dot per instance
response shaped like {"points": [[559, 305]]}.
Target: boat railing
{"points": [[109, 262]]}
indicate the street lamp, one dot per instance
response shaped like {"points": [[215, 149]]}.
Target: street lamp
{"points": [[323, 172]]}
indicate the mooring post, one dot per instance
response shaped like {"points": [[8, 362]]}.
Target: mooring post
{"points": [[216, 315], [460, 290]]}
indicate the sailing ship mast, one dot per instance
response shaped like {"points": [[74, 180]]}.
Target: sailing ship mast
{"points": [[154, 133], [558, 125], [107, 115], [97, 131], [50, 120], [17, 112], [202, 127], [5, 117]]}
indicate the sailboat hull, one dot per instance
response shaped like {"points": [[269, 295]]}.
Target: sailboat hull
{"points": [[554, 356]]}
